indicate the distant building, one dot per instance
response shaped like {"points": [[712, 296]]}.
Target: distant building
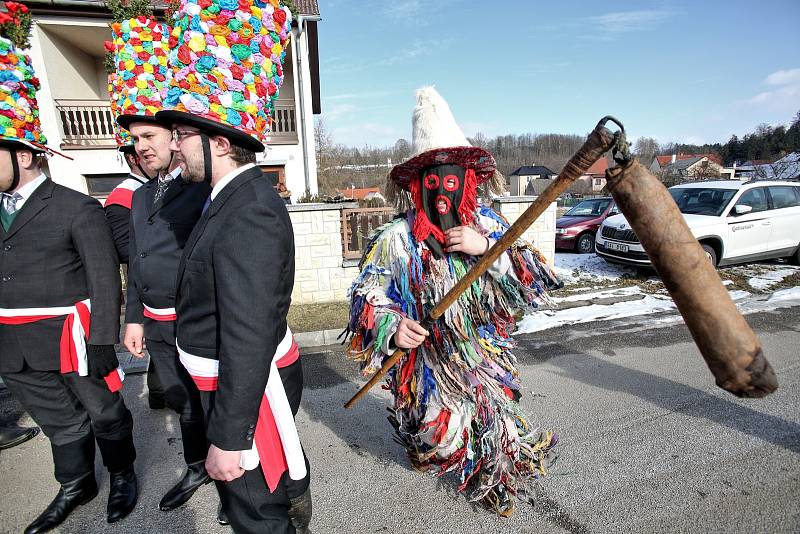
{"points": [[530, 180], [687, 166], [786, 168], [363, 193], [596, 175]]}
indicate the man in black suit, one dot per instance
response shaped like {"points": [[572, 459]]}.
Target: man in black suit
{"points": [[59, 280], [163, 213], [234, 289], [118, 214]]}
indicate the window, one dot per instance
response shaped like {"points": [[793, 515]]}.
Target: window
{"points": [[755, 198], [101, 185], [274, 173], [783, 196]]}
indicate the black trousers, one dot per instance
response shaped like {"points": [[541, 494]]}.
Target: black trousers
{"points": [[74, 411], [182, 396], [250, 506]]}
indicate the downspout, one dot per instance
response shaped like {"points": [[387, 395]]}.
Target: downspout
{"points": [[301, 22]]}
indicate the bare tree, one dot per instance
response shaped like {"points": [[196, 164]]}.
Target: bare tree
{"points": [[646, 149]]}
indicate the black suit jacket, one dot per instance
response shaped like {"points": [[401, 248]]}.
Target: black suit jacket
{"points": [[157, 236], [118, 218], [58, 251], [234, 288]]}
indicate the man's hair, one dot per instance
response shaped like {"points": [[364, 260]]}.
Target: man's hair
{"points": [[242, 156]]}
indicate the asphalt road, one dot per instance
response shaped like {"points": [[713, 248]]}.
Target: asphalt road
{"points": [[648, 444]]}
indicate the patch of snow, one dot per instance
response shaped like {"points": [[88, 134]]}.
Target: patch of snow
{"points": [[739, 295], [594, 312], [765, 280], [789, 294], [574, 268]]}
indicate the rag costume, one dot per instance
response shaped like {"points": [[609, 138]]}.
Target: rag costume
{"points": [[456, 396], [232, 333], [159, 228], [59, 313]]}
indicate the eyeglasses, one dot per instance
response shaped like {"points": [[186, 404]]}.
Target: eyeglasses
{"points": [[179, 135]]}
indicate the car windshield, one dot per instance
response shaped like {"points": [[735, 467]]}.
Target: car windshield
{"points": [[702, 200], [589, 208]]}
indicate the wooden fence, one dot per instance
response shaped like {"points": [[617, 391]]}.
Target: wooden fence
{"points": [[357, 226]]}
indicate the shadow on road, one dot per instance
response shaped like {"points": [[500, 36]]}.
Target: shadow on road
{"points": [[364, 427], [680, 398]]}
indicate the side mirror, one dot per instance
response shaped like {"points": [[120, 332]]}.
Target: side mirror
{"points": [[741, 209]]}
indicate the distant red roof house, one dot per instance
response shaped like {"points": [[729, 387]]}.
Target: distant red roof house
{"points": [[599, 167], [663, 161], [357, 193]]}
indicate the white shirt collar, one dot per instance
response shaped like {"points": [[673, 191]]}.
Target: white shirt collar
{"points": [[27, 190], [139, 177], [228, 178]]}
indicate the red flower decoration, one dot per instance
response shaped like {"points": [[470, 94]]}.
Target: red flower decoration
{"points": [[5, 18], [144, 56], [237, 72], [204, 3], [272, 88], [108, 45], [173, 41], [260, 91], [279, 16], [159, 77], [244, 5], [184, 55]]}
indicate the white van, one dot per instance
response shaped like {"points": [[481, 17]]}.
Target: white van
{"points": [[734, 221]]}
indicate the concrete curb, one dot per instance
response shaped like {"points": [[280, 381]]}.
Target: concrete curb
{"points": [[319, 338]]}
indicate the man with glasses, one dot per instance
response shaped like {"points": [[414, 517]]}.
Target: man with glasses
{"points": [[163, 213], [237, 272]]}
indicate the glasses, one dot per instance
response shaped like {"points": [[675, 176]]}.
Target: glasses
{"points": [[179, 135]]}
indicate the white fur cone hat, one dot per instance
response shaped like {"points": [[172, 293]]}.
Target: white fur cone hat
{"points": [[433, 124]]}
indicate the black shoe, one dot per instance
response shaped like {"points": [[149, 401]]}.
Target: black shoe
{"points": [[222, 517], [122, 495], [300, 512], [194, 477], [71, 495], [11, 436], [156, 402]]}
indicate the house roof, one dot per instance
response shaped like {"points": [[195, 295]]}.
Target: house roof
{"points": [[306, 7], [533, 170], [663, 161], [598, 167], [357, 193]]}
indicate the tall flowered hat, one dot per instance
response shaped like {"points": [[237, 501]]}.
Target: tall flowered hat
{"points": [[226, 58], [19, 110], [139, 49]]}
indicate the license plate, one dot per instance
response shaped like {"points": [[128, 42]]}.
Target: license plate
{"points": [[616, 246]]}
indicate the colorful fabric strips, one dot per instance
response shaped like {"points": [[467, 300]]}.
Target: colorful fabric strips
{"points": [[456, 396]]}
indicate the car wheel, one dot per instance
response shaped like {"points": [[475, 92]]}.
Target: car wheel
{"points": [[794, 259], [710, 254], [585, 244]]}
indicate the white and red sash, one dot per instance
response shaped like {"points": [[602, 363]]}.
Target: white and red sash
{"points": [[77, 320], [159, 314], [122, 195], [276, 444]]}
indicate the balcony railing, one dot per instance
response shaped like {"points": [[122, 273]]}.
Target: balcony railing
{"points": [[89, 123], [86, 123], [283, 130]]}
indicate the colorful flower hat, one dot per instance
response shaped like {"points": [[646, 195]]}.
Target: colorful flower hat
{"points": [[19, 110], [227, 66], [438, 140], [140, 47]]}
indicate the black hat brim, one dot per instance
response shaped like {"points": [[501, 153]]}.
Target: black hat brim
{"points": [[19, 144], [237, 137], [126, 120], [127, 149]]}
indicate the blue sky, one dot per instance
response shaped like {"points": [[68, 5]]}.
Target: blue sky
{"points": [[686, 71]]}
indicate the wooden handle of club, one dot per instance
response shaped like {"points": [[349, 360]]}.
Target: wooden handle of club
{"points": [[600, 140], [729, 346]]}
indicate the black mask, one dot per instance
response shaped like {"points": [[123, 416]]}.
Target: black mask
{"points": [[441, 196]]}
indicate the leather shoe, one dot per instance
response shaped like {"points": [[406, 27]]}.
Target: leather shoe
{"points": [[300, 512], [222, 516], [194, 477], [11, 436], [122, 495], [71, 495]]}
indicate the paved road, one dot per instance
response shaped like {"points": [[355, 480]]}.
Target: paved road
{"points": [[648, 444]]}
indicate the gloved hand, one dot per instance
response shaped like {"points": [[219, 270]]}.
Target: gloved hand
{"points": [[102, 360]]}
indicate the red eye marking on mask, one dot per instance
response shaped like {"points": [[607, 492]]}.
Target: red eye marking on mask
{"points": [[443, 204], [432, 181], [451, 182]]}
